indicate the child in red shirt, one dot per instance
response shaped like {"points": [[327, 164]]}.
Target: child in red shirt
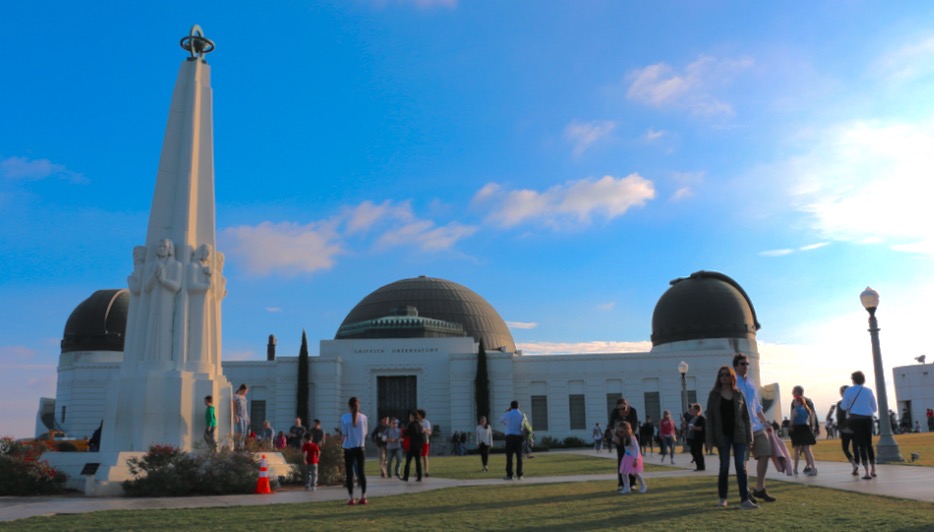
{"points": [[311, 453]]}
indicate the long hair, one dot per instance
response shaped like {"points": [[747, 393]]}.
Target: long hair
{"points": [[626, 428], [354, 405], [717, 385]]}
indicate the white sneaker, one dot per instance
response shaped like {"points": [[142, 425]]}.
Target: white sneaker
{"points": [[748, 505], [644, 488]]}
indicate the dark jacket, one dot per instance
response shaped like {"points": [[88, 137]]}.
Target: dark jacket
{"points": [[741, 425]]}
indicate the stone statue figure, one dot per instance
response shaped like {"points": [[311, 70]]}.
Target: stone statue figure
{"points": [[134, 282], [163, 280], [201, 305]]}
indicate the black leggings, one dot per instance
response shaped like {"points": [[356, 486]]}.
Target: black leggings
{"points": [[353, 461], [862, 437], [484, 454]]}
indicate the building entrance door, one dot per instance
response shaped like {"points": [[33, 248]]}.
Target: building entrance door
{"points": [[396, 397]]}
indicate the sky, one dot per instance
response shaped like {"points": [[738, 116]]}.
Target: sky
{"points": [[565, 160]]}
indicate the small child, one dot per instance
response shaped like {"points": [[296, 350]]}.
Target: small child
{"points": [[632, 461], [311, 453], [210, 423]]}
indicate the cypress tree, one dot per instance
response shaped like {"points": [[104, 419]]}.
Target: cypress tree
{"points": [[482, 385], [301, 399]]}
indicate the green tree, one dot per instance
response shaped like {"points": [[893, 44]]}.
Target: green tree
{"points": [[482, 385], [301, 399]]}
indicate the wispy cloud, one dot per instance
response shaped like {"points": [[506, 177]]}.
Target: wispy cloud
{"points": [[291, 248], [285, 248], [693, 89], [686, 182], [654, 134], [574, 202], [582, 135], [905, 63], [21, 168], [547, 348], [864, 182], [273, 309], [606, 307], [789, 251], [521, 324]]}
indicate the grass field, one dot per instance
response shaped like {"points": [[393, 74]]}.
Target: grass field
{"points": [[677, 503], [671, 504], [922, 443]]}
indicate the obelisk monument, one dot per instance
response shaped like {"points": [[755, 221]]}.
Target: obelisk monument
{"points": [[173, 338]]}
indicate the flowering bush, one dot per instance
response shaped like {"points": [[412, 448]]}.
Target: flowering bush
{"points": [[23, 473], [166, 471]]}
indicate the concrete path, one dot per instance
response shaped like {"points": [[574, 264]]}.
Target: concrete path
{"points": [[901, 481]]}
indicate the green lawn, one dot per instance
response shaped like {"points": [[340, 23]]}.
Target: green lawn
{"points": [[922, 443], [671, 504]]}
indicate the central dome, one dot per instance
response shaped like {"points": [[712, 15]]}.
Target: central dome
{"points": [[439, 299]]}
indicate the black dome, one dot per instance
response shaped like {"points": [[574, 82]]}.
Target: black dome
{"points": [[98, 323], [439, 299], [704, 305]]}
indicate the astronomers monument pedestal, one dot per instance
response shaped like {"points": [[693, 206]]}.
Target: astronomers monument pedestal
{"points": [[173, 337]]}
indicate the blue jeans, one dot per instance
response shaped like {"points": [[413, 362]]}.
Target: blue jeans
{"points": [[739, 459]]}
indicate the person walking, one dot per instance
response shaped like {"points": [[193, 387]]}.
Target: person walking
{"points": [[512, 419], [484, 441], [311, 453], [697, 436], [761, 446], [354, 431], [667, 432], [729, 429], [210, 424], [413, 434], [597, 438], [394, 448], [802, 438], [860, 405]]}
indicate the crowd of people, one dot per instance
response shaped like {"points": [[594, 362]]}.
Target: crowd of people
{"points": [[733, 423]]}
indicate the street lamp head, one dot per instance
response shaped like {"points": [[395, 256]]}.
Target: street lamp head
{"points": [[870, 300], [683, 367]]}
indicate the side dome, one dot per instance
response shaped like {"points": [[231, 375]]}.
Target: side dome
{"points": [[98, 323], [438, 299], [704, 305]]}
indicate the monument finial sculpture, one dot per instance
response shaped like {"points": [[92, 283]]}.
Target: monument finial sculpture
{"points": [[173, 338], [196, 43]]}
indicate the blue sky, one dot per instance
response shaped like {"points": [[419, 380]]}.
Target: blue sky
{"points": [[565, 160]]}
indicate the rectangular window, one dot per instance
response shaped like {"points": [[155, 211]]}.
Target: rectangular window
{"points": [[539, 412], [257, 415], [692, 396], [653, 407], [577, 412], [611, 399]]}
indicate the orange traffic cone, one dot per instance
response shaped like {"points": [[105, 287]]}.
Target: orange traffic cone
{"points": [[262, 483]]}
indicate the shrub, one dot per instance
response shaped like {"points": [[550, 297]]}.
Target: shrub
{"points": [[23, 473], [166, 471], [551, 442], [573, 442]]}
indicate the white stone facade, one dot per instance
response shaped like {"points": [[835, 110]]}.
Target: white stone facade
{"points": [[914, 390]]}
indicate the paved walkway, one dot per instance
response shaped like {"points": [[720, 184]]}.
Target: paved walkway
{"points": [[901, 481]]}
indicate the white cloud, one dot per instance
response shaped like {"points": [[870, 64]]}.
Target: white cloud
{"points": [[287, 248], [652, 135], [606, 307], [364, 216], [686, 182], [21, 168], [660, 85], [584, 134], [521, 324], [812, 247], [867, 182], [574, 202], [425, 236], [776, 252], [546, 348], [273, 309]]}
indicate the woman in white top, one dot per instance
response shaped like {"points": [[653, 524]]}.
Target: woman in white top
{"points": [[353, 438], [484, 441], [860, 405]]}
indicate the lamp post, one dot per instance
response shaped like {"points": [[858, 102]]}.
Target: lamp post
{"points": [[887, 448], [683, 370]]}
